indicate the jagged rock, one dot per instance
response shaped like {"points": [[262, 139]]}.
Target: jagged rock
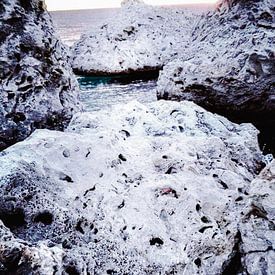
{"points": [[229, 67], [37, 88], [257, 230], [135, 190], [140, 39]]}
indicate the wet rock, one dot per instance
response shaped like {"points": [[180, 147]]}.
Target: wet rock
{"points": [[37, 88], [229, 67], [137, 218]]}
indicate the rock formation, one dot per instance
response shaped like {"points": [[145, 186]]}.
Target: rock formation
{"points": [[138, 190], [256, 240], [166, 188], [229, 67], [37, 88], [140, 39]]}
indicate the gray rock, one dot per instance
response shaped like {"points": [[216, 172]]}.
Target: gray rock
{"points": [[257, 230], [169, 197], [37, 88], [229, 67], [138, 41]]}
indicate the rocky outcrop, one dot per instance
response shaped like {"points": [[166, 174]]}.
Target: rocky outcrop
{"points": [[229, 67], [256, 242], [37, 89], [141, 190], [139, 40]]}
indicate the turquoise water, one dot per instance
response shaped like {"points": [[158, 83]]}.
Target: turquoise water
{"points": [[103, 92], [90, 82]]}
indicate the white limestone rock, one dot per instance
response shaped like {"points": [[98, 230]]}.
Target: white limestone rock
{"points": [[136, 190], [229, 66], [138, 39]]}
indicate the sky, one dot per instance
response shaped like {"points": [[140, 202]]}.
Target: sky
{"points": [[94, 4]]}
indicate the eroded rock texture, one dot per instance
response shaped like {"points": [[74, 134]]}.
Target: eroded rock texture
{"points": [[37, 89], [256, 243], [141, 190], [229, 67], [140, 39]]}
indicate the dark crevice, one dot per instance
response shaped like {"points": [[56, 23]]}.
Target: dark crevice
{"points": [[266, 137], [233, 265], [89, 190], [261, 251], [79, 227], [13, 218], [123, 77], [44, 217]]}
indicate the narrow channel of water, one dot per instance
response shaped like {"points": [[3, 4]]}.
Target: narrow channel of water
{"points": [[103, 92]]}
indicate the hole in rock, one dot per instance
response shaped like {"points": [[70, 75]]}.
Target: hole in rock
{"points": [[205, 219], [121, 157], [204, 228], [181, 129], [171, 170], [156, 241], [66, 178], [121, 205], [223, 184], [239, 199], [126, 133], [66, 244], [13, 219], [71, 270], [44, 217], [16, 117], [198, 262], [111, 271], [198, 207], [79, 228]]}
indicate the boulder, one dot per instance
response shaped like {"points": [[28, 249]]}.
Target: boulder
{"points": [[229, 67], [139, 40], [155, 189], [37, 88]]}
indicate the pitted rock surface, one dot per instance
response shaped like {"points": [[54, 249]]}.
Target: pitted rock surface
{"points": [[137, 189], [139, 40], [37, 87], [229, 67]]}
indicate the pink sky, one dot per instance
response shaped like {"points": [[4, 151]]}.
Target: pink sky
{"points": [[92, 4]]}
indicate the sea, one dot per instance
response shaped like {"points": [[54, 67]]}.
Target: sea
{"points": [[103, 92]]}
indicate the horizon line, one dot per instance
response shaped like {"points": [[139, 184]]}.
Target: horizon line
{"points": [[118, 7]]}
